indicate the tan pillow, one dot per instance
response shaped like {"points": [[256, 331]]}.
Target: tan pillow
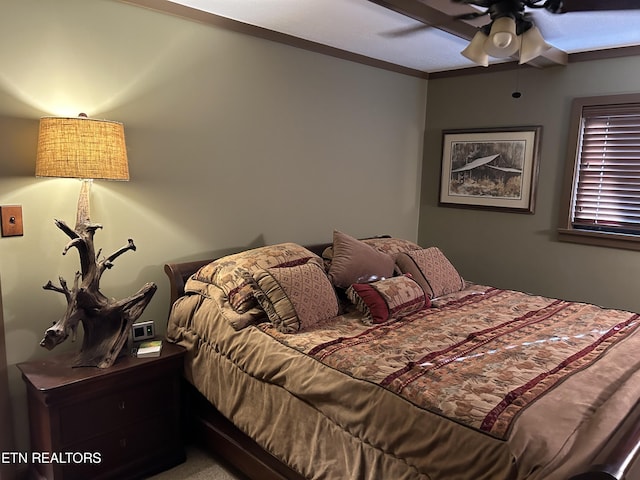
{"points": [[296, 298], [356, 262], [228, 272], [432, 270]]}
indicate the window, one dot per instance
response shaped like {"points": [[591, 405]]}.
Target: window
{"points": [[601, 199]]}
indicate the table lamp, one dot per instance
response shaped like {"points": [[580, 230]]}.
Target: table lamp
{"points": [[89, 149]]}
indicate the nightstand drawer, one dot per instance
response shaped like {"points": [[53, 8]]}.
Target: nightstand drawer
{"points": [[156, 439], [96, 416]]}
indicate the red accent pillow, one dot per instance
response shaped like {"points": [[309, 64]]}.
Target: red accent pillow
{"points": [[388, 299], [377, 307]]}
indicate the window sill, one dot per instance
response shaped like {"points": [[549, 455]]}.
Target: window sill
{"points": [[601, 239]]}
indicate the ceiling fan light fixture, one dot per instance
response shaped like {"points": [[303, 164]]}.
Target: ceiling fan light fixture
{"points": [[475, 50], [532, 45], [503, 40]]}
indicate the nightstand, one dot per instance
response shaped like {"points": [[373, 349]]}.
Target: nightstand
{"points": [[121, 422]]}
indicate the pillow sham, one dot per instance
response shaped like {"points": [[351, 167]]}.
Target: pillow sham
{"points": [[432, 270], [356, 262], [386, 299], [237, 320], [389, 245], [392, 246], [295, 298], [228, 272]]}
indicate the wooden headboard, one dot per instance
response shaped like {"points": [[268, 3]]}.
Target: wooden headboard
{"points": [[178, 274]]}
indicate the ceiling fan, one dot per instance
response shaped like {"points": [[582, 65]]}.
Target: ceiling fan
{"points": [[511, 29]]}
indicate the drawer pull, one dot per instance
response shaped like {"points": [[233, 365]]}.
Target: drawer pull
{"points": [[121, 405]]}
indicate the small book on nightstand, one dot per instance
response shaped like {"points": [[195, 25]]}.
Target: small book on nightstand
{"points": [[148, 348]]}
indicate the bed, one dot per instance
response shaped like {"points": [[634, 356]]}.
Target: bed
{"points": [[374, 359]]}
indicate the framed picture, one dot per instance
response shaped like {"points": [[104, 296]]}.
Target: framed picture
{"points": [[493, 168]]}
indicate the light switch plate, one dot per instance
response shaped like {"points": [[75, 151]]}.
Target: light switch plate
{"points": [[11, 216]]}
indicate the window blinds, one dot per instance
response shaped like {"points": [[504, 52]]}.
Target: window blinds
{"points": [[607, 185]]}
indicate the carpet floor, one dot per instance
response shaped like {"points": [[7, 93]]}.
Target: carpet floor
{"points": [[200, 465]]}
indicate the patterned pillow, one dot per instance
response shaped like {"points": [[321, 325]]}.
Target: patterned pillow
{"points": [[296, 298], [389, 245], [228, 272], [432, 270], [392, 246], [237, 320], [356, 262], [390, 298]]}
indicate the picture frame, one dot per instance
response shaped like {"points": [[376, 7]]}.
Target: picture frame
{"points": [[490, 168]]}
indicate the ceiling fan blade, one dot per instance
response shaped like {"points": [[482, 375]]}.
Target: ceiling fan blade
{"points": [[478, 3], [406, 31], [418, 28], [597, 5], [430, 16]]}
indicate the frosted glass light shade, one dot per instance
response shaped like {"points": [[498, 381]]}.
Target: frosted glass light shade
{"points": [[503, 41], [475, 50], [532, 45]]}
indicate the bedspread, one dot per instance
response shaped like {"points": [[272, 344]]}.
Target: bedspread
{"points": [[479, 360], [489, 383]]}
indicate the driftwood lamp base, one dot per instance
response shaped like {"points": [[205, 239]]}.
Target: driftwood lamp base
{"points": [[106, 322]]}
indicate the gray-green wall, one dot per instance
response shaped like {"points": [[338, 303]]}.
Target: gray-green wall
{"points": [[515, 250], [233, 142]]}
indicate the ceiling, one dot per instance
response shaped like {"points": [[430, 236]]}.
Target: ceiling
{"points": [[371, 31]]}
